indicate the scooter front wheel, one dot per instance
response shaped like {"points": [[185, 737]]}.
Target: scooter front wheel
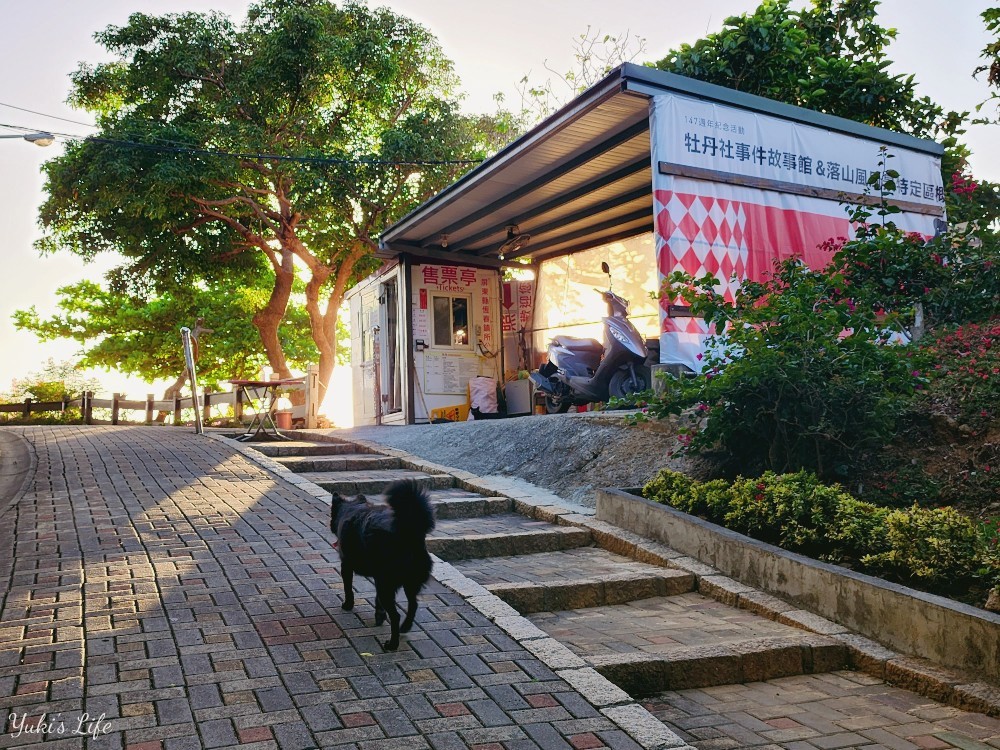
{"points": [[628, 381], [554, 405]]}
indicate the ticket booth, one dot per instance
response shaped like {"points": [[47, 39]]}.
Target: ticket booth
{"points": [[421, 329]]}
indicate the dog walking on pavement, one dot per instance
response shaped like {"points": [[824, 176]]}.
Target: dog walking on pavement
{"points": [[386, 543]]}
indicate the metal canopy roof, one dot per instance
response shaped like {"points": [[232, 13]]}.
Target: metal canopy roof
{"points": [[579, 179]]}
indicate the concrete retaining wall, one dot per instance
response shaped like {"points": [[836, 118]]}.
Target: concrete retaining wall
{"points": [[906, 620]]}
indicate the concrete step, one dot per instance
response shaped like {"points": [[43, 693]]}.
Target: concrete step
{"points": [[501, 535], [342, 462], [574, 579], [687, 641], [459, 503], [279, 448], [376, 481]]}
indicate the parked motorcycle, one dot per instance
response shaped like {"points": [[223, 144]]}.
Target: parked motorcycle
{"points": [[580, 371]]}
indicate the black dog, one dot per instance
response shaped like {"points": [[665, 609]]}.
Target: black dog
{"points": [[386, 544]]}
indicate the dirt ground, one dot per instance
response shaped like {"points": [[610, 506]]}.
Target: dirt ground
{"points": [[570, 454]]}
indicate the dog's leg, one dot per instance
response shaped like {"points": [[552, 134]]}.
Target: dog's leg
{"points": [[411, 605], [347, 575], [387, 599], [379, 609]]}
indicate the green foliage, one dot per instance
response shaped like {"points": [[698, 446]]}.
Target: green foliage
{"points": [[140, 335], [830, 57], [54, 382], [964, 368], [784, 387], [936, 546], [858, 528], [188, 101], [936, 549], [793, 511]]}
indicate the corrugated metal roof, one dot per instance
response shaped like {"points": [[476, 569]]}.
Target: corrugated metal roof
{"points": [[580, 178]]}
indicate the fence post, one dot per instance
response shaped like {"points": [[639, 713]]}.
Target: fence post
{"points": [[207, 416], [88, 407], [177, 411], [115, 398], [27, 407], [238, 405], [312, 397], [149, 408]]}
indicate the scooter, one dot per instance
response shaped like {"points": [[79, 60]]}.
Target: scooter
{"points": [[581, 371]]}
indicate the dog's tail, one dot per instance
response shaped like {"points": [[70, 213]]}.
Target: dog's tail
{"points": [[411, 507]]}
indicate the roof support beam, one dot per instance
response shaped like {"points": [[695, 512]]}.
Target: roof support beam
{"points": [[609, 224], [589, 155], [442, 256], [609, 179], [576, 216], [622, 235]]}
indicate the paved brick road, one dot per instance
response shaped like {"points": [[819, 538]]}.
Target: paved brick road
{"points": [[190, 599]]}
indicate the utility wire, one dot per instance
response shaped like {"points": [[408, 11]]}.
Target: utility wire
{"points": [[245, 156], [43, 114]]}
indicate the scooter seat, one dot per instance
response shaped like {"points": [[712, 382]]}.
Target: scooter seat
{"points": [[571, 342]]}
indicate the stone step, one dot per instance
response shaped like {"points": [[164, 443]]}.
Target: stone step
{"points": [[687, 641], [459, 503], [501, 535], [343, 462], [280, 448], [376, 481], [574, 579]]}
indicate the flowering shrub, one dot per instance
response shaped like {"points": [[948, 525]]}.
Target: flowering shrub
{"points": [[798, 379], [965, 371]]}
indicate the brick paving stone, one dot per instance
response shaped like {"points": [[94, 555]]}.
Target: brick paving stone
{"points": [[810, 712], [202, 593]]}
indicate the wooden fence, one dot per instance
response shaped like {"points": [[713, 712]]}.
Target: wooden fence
{"points": [[151, 407]]}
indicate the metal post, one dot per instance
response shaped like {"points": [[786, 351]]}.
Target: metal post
{"points": [[377, 355], [193, 377]]}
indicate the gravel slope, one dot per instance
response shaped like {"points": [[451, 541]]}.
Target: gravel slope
{"points": [[570, 454]]}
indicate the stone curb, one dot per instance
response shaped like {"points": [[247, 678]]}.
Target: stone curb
{"points": [[612, 701], [864, 654], [918, 675]]}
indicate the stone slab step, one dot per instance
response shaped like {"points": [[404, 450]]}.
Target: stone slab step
{"points": [[686, 641], [574, 579], [376, 481], [342, 462], [459, 503], [501, 535], [279, 448]]}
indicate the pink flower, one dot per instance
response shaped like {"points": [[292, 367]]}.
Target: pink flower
{"points": [[699, 356]]}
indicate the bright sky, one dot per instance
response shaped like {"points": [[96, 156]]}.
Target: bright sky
{"points": [[493, 46]]}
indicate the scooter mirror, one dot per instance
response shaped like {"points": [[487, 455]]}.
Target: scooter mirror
{"points": [[606, 268]]}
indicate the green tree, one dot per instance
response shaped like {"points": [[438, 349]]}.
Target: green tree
{"points": [[139, 334], [830, 57], [366, 94], [54, 382]]}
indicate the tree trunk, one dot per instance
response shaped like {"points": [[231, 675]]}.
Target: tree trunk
{"points": [[172, 391], [323, 333], [267, 319]]}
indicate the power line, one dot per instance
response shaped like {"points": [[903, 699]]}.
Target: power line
{"points": [[43, 114], [247, 156]]}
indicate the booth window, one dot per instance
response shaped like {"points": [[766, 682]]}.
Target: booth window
{"points": [[451, 321]]}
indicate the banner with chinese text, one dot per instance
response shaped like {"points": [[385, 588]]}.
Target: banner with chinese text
{"points": [[735, 191]]}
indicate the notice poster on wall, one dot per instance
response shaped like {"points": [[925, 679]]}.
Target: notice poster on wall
{"points": [[518, 298], [448, 373]]}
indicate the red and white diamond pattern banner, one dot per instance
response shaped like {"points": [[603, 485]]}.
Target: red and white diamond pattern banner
{"points": [[721, 227]]}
